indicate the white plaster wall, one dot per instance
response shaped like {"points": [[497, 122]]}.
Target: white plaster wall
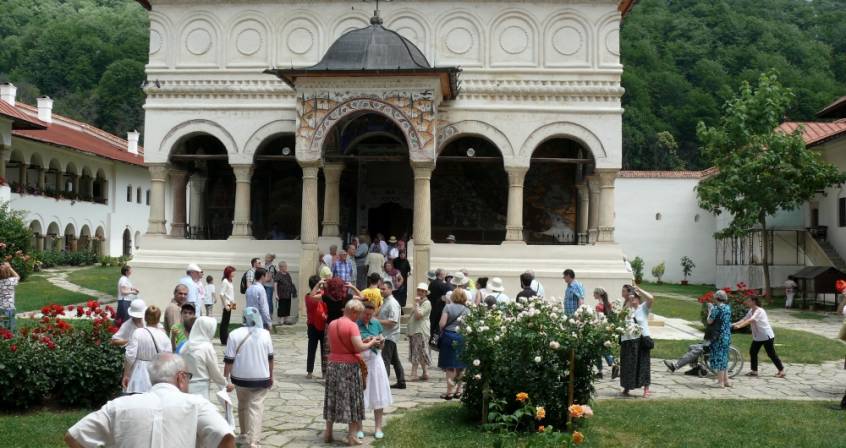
{"points": [[834, 152], [114, 216], [675, 235]]}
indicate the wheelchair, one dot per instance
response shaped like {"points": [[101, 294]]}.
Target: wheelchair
{"points": [[735, 363]]}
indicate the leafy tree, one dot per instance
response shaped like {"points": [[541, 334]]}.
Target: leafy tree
{"points": [[761, 170], [117, 107]]}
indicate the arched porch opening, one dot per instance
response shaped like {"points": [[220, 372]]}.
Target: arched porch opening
{"points": [[469, 192], [202, 181], [52, 242], [37, 242], [86, 185], [15, 168], [127, 243], [53, 178], [100, 188], [276, 190], [99, 241], [70, 182], [367, 182], [555, 193], [84, 243], [34, 174], [70, 241]]}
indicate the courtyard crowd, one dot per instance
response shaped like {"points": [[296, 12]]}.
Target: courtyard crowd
{"points": [[354, 310]]}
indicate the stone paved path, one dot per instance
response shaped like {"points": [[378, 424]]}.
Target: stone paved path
{"points": [[294, 407], [59, 278]]}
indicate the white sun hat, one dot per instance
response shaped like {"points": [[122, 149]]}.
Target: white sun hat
{"points": [[495, 285], [137, 308]]}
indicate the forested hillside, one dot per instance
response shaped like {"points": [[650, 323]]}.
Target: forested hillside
{"points": [[683, 59]]}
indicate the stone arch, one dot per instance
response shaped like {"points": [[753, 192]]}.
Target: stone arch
{"points": [[35, 225], [476, 128], [416, 149], [70, 228], [266, 131], [562, 129], [127, 242], [198, 126]]}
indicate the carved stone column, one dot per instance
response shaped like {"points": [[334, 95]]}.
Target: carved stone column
{"points": [[242, 227], [75, 184], [72, 244], [39, 242], [308, 225], [158, 177], [195, 207], [422, 226], [331, 198], [593, 209], [24, 167], [606, 200], [584, 212], [514, 220], [178, 184], [42, 179]]}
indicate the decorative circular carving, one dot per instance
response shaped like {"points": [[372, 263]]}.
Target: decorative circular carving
{"points": [[248, 42], [567, 40], [514, 40], [612, 42], [155, 41], [408, 33], [198, 42], [459, 40], [300, 40]]}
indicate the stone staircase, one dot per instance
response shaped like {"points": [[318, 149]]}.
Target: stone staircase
{"points": [[833, 255]]}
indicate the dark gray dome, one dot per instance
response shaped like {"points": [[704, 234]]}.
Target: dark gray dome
{"points": [[372, 48]]}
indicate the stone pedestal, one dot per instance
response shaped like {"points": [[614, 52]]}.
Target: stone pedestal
{"points": [[514, 220], [331, 198], [156, 222], [242, 227], [178, 184]]}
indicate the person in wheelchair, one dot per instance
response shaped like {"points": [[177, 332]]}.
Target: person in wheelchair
{"points": [[694, 351]]}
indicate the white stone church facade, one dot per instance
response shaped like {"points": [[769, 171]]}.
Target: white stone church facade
{"points": [[517, 106]]}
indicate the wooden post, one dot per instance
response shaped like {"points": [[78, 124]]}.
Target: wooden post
{"points": [[572, 383], [485, 398]]}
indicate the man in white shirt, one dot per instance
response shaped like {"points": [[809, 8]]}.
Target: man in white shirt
{"points": [[193, 274], [389, 317], [257, 297], [164, 417], [251, 273], [125, 293]]}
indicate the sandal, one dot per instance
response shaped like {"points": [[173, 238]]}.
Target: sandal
{"points": [[446, 396], [646, 394], [779, 375], [457, 395], [751, 373], [423, 378]]}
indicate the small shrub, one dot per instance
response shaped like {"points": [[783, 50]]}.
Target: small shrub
{"points": [[66, 361], [106, 261], [637, 269], [525, 347], [687, 265], [15, 239], [658, 272], [53, 258]]}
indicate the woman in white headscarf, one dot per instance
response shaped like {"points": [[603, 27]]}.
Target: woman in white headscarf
{"points": [[201, 358]]}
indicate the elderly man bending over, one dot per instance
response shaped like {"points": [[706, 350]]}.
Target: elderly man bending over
{"points": [[163, 417]]}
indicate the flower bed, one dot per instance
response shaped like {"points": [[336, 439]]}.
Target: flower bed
{"points": [[526, 348], [736, 298], [52, 360]]}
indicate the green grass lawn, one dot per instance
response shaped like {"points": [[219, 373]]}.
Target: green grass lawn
{"points": [[678, 308], [98, 278], [42, 429], [642, 424], [36, 292], [693, 291], [793, 346]]}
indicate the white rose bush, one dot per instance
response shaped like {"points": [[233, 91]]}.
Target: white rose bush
{"points": [[525, 347]]}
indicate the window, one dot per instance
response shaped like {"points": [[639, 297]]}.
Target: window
{"points": [[148, 197], [138, 195], [129, 193], [841, 212], [657, 216], [696, 218]]}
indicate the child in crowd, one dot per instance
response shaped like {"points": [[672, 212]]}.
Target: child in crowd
{"points": [[210, 295]]}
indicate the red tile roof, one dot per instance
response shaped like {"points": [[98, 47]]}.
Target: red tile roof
{"points": [[667, 174], [82, 137], [20, 120], [816, 132]]}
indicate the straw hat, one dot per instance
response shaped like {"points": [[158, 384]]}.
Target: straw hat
{"points": [[193, 268], [495, 285], [423, 286], [458, 279]]}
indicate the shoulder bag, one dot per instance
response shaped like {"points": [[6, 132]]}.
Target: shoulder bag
{"points": [[712, 330], [646, 342]]}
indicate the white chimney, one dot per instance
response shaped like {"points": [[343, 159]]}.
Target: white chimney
{"points": [[8, 92], [132, 142], [45, 109]]}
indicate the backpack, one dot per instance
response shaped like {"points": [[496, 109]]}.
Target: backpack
{"points": [[244, 283]]}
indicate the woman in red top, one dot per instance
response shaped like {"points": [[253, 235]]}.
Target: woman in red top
{"points": [[316, 323], [343, 399]]}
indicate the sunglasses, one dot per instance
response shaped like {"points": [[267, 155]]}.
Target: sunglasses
{"points": [[188, 374]]}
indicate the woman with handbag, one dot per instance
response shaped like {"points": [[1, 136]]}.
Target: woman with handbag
{"points": [[636, 344], [721, 342], [452, 343], [316, 314], [146, 343], [343, 399]]}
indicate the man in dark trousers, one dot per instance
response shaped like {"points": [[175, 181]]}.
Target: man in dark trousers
{"points": [[437, 290]]}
